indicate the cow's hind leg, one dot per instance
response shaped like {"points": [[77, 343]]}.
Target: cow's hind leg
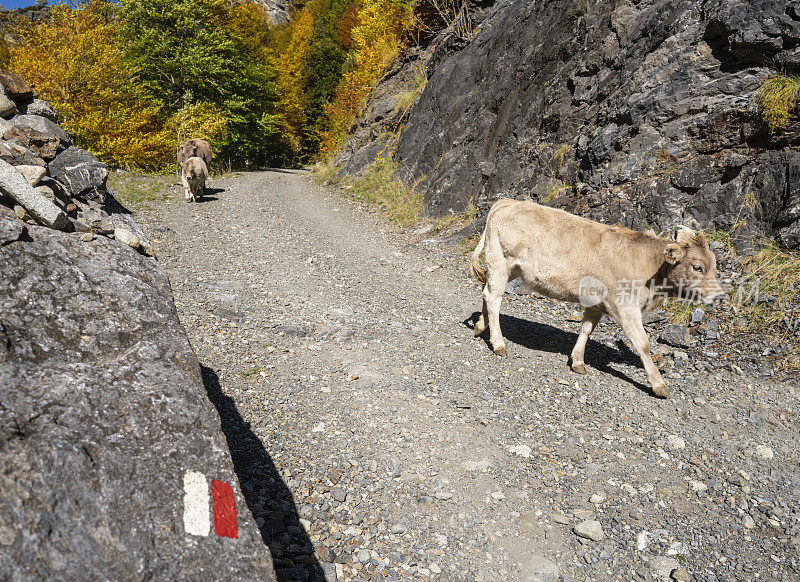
{"points": [[496, 281], [483, 320], [631, 322], [591, 316]]}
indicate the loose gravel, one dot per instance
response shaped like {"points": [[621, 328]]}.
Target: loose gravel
{"points": [[376, 439]]}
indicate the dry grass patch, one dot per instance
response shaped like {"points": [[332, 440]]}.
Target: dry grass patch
{"points": [[777, 99], [376, 186], [140, 189]]}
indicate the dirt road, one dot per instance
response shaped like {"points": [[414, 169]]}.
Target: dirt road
{"points": [[376, 439]]}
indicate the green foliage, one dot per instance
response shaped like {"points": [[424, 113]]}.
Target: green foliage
{"points": [[777, 98], [191, 52]]}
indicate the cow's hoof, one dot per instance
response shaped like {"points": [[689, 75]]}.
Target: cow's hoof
{"points": [[501, 351], [661, 390], [579, 368]]}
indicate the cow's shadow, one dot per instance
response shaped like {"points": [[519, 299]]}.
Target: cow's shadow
{"points": [[280, 528], [543, 337]]}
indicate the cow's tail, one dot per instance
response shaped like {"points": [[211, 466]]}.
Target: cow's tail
{"points": [[477, 271]]}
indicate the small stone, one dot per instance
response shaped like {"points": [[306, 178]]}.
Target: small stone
{"points": [[696, 485], [398, 529], [590, 529], [339, 495], [21, 213], [680, 575], [643, 540], [675, 443], [521, 450], [443, 495], [697, 315], [87, 237], [748, 522], [329, 572], [662, 567], [71, 207], [774, 523], [597, 498], [764, 453], [560, 518], [676, 336], [32, 174], [125, 236], [540, 569]]}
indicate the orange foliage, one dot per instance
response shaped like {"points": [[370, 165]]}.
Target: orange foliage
{"points": [[376, 41], [291, 70]]}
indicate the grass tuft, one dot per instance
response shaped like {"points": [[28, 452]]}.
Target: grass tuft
{"points": [[777, 98], [376, 186], [137, 188]]}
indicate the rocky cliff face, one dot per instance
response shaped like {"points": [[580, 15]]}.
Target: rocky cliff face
{"points": [[112, 462], [639, 112]]}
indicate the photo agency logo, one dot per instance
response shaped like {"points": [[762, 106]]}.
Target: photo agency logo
{"points": [[591, 291]]}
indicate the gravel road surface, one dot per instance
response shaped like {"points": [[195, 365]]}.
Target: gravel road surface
{"points": [[376, 439]]}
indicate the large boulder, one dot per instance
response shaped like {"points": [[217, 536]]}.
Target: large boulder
{"points": [[41, 108], [44, 145], [82, 173], [111, 455], [18, 155], [44, 126], [16, 87], [7, 106], [15, 186]]}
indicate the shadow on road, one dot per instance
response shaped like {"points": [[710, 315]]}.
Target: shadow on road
{"points": [[267, 496], [546, 338]]}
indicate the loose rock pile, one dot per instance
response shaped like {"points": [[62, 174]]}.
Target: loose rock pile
{"points": [[48, 181]]}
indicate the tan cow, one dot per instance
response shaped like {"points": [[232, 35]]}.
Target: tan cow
{"points": [[608, 269], [194, 174], [194, 147]]}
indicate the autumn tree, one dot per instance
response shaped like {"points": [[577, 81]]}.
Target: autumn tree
{"points": [[76, 62]]}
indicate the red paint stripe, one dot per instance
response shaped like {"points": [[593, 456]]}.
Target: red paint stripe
{"points": [[224, 508]]}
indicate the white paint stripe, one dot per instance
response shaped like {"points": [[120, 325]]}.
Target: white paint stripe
{"points": [[196, 502]]}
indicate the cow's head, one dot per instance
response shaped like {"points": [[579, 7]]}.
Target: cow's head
{"points": [[692, 267]]}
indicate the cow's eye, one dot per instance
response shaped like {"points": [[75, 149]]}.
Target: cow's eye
{"points": [[697, 268]]}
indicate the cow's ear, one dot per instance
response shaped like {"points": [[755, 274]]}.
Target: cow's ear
{"points": [[700, 239], [685, 234], [674, 253]]}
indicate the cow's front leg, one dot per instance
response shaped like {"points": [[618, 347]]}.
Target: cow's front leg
{"points": [[631, 321], [591, 316], [496, 282]]}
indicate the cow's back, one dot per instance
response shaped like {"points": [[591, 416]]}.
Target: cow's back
{"points": [[194, 147], [553, 250]]}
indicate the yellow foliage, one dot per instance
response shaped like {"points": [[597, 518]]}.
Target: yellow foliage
{"points": [[376, 42], [75, 62], [291, 71], [202, 120]]}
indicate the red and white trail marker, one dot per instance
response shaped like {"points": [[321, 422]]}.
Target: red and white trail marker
{"points": [[196, 501]]}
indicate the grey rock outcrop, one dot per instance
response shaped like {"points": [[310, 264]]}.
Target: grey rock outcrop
{"points": [[637, 112], [103, 412]]}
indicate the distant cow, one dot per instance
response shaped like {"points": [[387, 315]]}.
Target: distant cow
{"points": [[194, 174], [194, 148], [608, 269]]}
